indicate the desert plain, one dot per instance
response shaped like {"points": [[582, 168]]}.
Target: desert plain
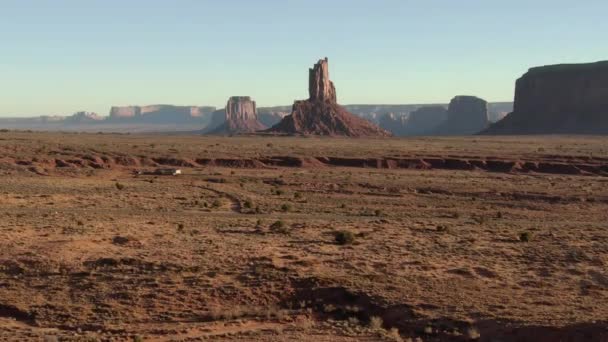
{"points": [[311, 239]]}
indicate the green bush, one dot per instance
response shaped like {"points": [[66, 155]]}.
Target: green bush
{"points": [[119, 186]]}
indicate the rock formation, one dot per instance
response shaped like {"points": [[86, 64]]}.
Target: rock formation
{"points": [[466, 115], [564, 98], [240, 116], [425, 119], [160, 114], [421, 121], [321, 114]]}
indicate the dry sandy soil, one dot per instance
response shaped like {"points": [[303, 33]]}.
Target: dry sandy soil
{"points": [[455, 239]]}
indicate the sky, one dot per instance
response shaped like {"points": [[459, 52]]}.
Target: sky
{"points": [[62, 56]]}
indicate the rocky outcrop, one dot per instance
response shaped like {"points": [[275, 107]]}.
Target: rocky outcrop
{"points": [[466, 115], [240, 116], [321, 114], [564, 98]]}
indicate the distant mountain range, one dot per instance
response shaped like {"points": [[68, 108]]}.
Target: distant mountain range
{"points": [[171, 118]]}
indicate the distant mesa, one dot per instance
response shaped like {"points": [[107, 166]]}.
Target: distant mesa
{"points": [[419, 122], [84, 118], [321, 114], [466, 115], [394, 123], [271, 116], [239, 116], [159, 114], [559, 99], [424, 119]]}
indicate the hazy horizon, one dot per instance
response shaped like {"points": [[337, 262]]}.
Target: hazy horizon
{"points": [[65, 56]]}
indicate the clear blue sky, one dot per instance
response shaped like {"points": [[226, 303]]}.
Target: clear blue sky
{"points": [[61, 56]]}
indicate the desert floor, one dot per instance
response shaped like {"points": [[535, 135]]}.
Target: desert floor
{"points": [[447, 239]]}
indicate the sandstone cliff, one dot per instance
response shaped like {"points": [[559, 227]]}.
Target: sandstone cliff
{"points": [[240, 116], [321, 114], [466, 115], [565, 98]]}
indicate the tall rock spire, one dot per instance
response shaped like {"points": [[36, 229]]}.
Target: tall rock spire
{"points": [[320, 88], [321, 114]]}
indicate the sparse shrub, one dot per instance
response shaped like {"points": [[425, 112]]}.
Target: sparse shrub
{"points": [[248, 204], [119, 186], [378, 212], [479, 219], [393, 335], [180, 227], [499, 215], [343, 205], [138, 338], [344, 237], [216, 203], [120, 240], [286, 207], [297, 195], [375, 323], [472, 333], [525, 237], [366, 212], [329, 308], [279, 227], [442, 229], [278, 192]]}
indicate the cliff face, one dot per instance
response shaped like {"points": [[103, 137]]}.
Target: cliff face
{"points": [[565, 98], [240, 116], [321, 114], [466, 115]]}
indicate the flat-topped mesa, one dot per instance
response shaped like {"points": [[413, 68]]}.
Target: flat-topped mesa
{"points": [[241, 108], [466, 115], [239, 116], [320, 88], [559, 99], [160, 114]]}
